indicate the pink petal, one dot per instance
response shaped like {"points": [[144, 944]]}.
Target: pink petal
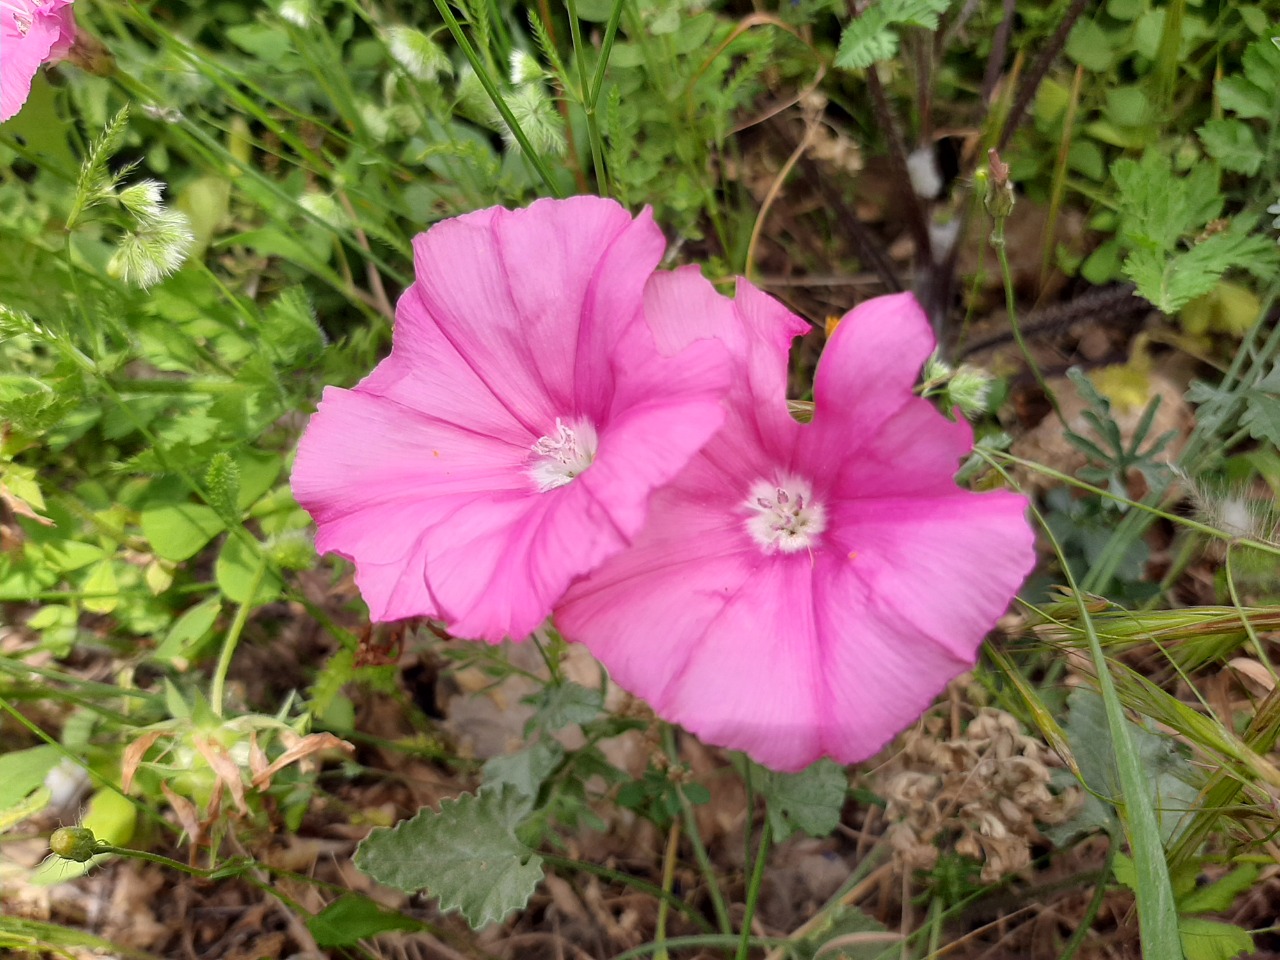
{"points": [[878, 673], [361, 471], [472, 274], [916, 451], [872, 361], [51, 27], [946, 566]]}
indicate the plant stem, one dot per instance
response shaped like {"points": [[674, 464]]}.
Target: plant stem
{"points": [[1006, 276], [695, 840], [495, 96], [753, 890], [588, 106], [216, 691]]}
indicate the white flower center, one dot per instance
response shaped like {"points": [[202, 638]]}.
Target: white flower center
{"points": [[563, 454], [783, 517]]}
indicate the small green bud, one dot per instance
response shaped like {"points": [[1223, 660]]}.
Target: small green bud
{"points": [[969, 390], [142, 199], [525, 68], [418, 55], [537, 117], [156, 249], [73, 843], [293, 550], [222, 485]]}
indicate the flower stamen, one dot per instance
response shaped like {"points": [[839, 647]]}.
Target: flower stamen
{"points": [[562, 454], [783, 516]]}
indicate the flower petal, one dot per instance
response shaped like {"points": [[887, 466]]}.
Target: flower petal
{"points": [[24, 51], [872, 361], [362, 468], [946, 565]]}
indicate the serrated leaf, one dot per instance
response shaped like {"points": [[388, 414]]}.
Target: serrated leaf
{"points": [[870, 38], [351, 918], [1233, 144], [561, 704], [1243, 98], [467, 855], [1172, 280], [810, 800], [1211, 940], [525, 769], [1262, 417]]}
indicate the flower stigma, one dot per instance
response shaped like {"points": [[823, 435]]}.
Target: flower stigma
{"points": [[784, 517], [563, 454]]}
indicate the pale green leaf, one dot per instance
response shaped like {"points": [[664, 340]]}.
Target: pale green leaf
{"points": [[352, 918], [1262, 417], [1211, 940], [810, 800], [467, 855], [525, 769], [239, 567], [1218, 896], [1233, 144], [178, 531]]}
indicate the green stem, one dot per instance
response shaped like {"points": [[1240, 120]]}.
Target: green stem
{"points": [[1006, 276], [495, 96], [695, 840], [753, 890], [216, 691], [588, 106], [606, 49]]}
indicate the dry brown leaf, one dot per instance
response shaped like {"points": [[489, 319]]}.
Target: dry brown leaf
{"points": [[224, 769], [304, 747], [133, 755], [185, 811], [1256, 678]]}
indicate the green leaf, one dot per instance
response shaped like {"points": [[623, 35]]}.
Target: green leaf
{"points": [[1172, 280], [23, 771], [1090, 46], [1262, 417], [239, 566], [1243, 98], [810, 800], [185, 636], [1211, 940], [351, 918], [525, 769], [1218, 896], [870, 37], [1233, 144], [100, 587], [561, 704], [467, 855], [178, 531]]}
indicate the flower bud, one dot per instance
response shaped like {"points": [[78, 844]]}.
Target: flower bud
{"points": [[73, 843]]}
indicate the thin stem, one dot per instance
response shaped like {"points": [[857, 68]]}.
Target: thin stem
{"points": [[588, 107], [495, 96], [668, 881], [753, 890], [606, 49], [1006, 275], [229, 644], [695, 840]]}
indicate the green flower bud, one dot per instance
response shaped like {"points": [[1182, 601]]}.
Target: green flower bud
{"points": [[73, 843]]}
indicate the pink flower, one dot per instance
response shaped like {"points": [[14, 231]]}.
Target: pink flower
{"points": [[32, 32], [511, 441], [805, 590]]}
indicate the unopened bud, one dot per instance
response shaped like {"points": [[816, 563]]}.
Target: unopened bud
{"points": [[73, 843], [999, 196]]}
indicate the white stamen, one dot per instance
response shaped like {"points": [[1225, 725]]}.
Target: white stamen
{"points": [[563, 454], [783, 516]]}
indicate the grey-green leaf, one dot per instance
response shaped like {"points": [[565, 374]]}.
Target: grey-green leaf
{"points": [[467, 855], [810, 800]]}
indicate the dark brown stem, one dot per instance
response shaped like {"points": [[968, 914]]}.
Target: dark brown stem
{"points": [[1031, 83], [1108, 305], [917, 223], [999, 47]]}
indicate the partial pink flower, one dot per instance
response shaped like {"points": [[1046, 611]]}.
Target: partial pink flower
{"points": [[32, 32], [806, 590], [512, 440]]}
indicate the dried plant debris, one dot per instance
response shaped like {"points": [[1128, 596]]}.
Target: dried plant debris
{"points": [[981, 794]]}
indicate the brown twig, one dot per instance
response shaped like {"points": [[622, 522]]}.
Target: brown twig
{"points": [[999, 47], [1027, 92]]}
